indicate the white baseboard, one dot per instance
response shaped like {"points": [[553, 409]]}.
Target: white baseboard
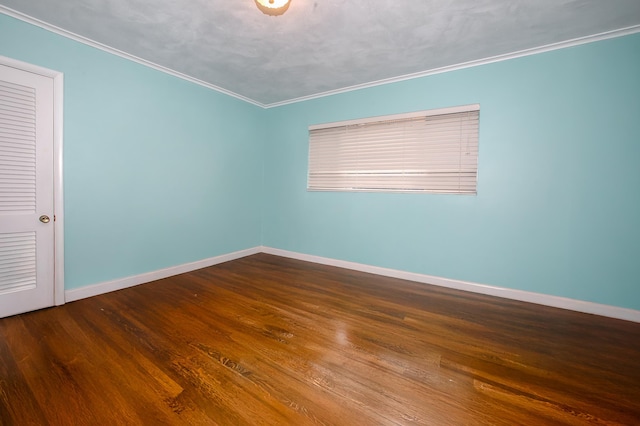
{"points": [[119, 284], [507, 293]]}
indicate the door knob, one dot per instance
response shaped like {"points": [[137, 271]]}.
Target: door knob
{"points": [[44, 218]]}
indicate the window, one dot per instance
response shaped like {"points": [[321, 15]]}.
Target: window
{"points": [[428, 151]]}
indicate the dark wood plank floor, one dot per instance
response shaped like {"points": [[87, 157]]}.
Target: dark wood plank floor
{"points": [[266, 340]]}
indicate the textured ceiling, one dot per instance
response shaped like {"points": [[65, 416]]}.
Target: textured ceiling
{"points": [[324, 45]]}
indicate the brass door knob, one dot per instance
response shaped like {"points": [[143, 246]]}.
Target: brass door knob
{"points": [[44, 218]]}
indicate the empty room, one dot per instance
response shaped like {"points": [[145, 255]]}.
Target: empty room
{"points": [[306, 212]]}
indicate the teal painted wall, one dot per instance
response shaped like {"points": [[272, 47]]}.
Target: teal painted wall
{"points": [[558, 204], [161, 172], [157, 171]]}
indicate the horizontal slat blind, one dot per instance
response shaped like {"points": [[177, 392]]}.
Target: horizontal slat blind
{"points": [[425, 153], [17, 149]]}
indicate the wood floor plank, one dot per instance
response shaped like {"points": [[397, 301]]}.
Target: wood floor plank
{"points": [[18, 405], [266, 340]]}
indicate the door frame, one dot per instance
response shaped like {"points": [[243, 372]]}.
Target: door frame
{"points": [[58, 196]]}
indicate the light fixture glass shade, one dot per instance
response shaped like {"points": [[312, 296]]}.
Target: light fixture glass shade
{"points": [[273, 7]]}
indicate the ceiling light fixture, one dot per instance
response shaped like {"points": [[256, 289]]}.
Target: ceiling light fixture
{"points": [[273, 7]]}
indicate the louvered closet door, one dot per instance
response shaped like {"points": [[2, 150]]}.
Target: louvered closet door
{"points": [[26, 191]]}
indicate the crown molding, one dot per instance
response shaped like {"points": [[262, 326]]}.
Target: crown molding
{"points": [[89, 42], [498, 58]]}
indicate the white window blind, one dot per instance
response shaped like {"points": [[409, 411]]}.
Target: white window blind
{"points": [[429, 151]]}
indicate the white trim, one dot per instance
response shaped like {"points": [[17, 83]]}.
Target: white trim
{"points": [[35, 69], [84, 40], [402, 116], [121, 283], [58, 185], [507, 293], [498, 58], [58, 195]]}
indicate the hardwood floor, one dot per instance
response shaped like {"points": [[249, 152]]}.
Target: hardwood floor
{"points": [[266, 340]]}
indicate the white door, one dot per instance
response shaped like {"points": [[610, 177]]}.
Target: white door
{"points": [[26, 191]]}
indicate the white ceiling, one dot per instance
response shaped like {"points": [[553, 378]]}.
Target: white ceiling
{"points": [[319, 46]]}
